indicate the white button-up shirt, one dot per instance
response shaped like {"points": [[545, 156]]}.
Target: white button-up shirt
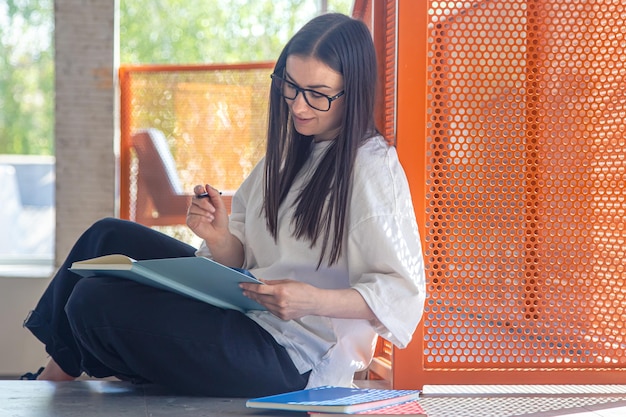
{"points": [[381, 258]]}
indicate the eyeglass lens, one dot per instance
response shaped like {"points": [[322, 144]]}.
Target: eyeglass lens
{"points": [[290, 91]]}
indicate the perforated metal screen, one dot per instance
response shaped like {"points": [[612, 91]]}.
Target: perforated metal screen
{"points": [[525, 230], [214, 118]]}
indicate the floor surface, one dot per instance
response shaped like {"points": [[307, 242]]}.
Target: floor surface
{"points": [[113, 398]]}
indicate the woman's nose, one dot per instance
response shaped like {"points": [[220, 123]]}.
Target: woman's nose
{"points": [[299, 103]]}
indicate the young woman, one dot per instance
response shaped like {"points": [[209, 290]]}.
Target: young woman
{"points": [[325, 220]]}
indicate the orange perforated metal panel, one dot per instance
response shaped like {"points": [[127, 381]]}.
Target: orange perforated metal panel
{"points": [[524, 163], [380, 17], [213, 116], [385, 39]]}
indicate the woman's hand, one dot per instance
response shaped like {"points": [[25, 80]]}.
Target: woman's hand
{"points": [[290, 300], [286, 299], [207, 216]]}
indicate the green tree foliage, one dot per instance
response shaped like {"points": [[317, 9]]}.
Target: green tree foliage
{"points": [[26, 77], [159, 32], [212, 31]]}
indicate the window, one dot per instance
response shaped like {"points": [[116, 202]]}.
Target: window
{"points": [[27, 213]]}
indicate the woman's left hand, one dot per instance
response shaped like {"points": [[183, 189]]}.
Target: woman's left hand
{"points": [[285, 298], [290, 300]]}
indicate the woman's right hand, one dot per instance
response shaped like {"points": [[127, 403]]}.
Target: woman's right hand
{"points": [[207, 216]]}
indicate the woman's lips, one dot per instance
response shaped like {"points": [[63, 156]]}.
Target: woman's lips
{"points": [[301, 120], [302, 123]]}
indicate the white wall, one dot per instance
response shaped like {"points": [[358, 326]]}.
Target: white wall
{"points": [[20, 352]]}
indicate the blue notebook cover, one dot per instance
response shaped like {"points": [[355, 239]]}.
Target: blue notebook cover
{"points": [[197, 277], [334, 399]]}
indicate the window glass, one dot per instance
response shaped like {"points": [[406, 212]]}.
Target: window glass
{"points": [[26, 135]]}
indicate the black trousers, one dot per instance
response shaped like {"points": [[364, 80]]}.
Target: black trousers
{"points": [[106, 326]]}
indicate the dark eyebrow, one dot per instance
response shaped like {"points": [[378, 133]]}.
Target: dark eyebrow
{"points": [[289, 78]]}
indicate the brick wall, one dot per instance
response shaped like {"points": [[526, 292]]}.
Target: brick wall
{"points": [[85, 113]]}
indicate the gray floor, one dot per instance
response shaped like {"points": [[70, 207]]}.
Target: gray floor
{"points": [[112, 398]]}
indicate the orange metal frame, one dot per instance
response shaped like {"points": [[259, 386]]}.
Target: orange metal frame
{"points": [[411, 144]]}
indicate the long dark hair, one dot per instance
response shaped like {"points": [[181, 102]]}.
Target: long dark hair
{"points": [[346, 46]]}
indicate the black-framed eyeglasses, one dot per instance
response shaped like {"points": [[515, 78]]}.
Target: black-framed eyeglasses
{"points": [[314, 99]]}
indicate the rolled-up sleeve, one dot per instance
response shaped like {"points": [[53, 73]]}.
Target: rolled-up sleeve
{"points": [[386, 267], [384, 253]]}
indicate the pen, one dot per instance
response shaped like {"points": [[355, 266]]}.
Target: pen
{"points": [[206, 195]]}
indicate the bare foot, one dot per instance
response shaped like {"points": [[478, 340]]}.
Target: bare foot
{"points": [[53, 372]]}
